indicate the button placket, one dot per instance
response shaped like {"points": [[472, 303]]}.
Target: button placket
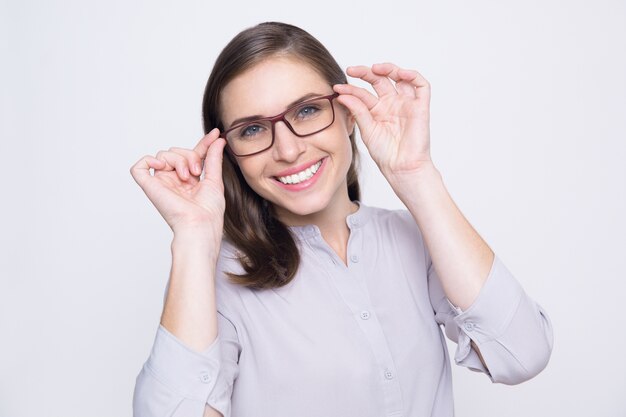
{"points": [[355, 291], [354, 244]]}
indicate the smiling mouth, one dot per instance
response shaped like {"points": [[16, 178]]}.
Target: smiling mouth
{"points": [[303, 175]]}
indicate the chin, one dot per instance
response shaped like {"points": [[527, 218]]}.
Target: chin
{"points": [[301, 206]]}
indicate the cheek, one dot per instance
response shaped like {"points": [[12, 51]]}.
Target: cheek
{"points": [[346, 145], [348, 153], [345, 118], [252, 171]]}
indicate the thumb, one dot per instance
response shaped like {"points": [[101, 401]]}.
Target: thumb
{"points": [[213, 160], [363, 117]]}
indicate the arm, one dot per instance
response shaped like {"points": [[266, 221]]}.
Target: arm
{"points": [[193, 207], [447, 235], [476, 287], [184, 376], [211, 412], [182, 370], [177, 381], [190, 313], [395, 127], [504, 333]]}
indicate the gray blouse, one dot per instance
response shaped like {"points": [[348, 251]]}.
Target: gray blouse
{"points": [[361, 340]]}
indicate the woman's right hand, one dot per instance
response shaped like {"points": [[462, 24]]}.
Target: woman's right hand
{"points": [[186, 202]]}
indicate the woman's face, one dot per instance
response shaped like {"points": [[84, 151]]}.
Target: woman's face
{"points": [[268, 89]]}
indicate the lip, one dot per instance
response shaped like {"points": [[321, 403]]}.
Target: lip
{"points": [[304, 184], [298, 168]]}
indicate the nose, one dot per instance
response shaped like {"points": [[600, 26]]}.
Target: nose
{"points": [[287, 146]]}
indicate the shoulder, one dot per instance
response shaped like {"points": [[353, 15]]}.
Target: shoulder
{"points": [[395, 228], [229, 257], [397, 222], [227, 292]]}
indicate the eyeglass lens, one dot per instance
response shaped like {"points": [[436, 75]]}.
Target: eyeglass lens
{"points": [[305, 119]]}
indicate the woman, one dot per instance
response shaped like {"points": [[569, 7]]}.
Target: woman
{"points": [[313, 303]]}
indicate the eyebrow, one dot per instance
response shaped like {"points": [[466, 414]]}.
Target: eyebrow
{"points": [[258, 116]]}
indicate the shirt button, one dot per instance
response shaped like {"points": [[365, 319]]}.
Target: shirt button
{"points": [[388, 374], [365, 315], [205, 377], [469, 326], [310, 229], [354, 258], [354, 221]]}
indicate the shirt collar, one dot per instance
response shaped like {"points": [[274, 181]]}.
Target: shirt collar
{"points": [[354, 221]]}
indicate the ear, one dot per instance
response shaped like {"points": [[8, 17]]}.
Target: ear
{"points": [[231, 156], [350, 122], [349, 118]]}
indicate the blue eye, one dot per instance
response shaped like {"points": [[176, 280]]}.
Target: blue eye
{"points": [[250, 131], [307, 111]]}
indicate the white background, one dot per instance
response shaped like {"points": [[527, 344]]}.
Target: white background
{"points": [[528, 129]]}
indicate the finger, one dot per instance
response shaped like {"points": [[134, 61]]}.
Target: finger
{"points": [[213, 161], [404, 78], [422, 86], [140, 171], [203, 145], [381, 84], [369, 99], [397, 74], [175, 161], [393, 72], [194, 161], [359, 110]]}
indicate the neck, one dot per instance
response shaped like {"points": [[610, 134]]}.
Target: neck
{"points": [[331, 220]]}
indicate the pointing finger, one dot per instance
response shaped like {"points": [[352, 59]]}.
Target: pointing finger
{"points": [[369, 99]]}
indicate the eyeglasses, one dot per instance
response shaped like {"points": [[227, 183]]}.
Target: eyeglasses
{"points": [[303, 119]]}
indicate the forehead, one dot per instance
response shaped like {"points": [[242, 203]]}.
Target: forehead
{"points": [[269, 87]]}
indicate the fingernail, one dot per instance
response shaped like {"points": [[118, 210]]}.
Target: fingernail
{"points": [[197, 168]]}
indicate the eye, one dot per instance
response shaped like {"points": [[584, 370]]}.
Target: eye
{"points": [[250, 131], [307, 111]]}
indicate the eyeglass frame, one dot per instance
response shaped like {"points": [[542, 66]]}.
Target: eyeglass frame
{"points": [[281, 117]]}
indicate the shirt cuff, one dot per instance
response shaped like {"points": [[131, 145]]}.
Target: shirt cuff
{"points": [[489, 315], [189, 373], [512, 332]]}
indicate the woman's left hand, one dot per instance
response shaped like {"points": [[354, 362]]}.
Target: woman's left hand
{"points": [[395, 124]]}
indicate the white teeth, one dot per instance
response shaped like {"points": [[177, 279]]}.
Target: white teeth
{"points": [[302, 175]]}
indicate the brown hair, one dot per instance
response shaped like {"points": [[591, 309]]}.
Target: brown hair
{"points": [[268, 251]]}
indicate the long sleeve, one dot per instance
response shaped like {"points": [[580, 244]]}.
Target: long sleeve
{"points": [[176, 381], [512, 332]]}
